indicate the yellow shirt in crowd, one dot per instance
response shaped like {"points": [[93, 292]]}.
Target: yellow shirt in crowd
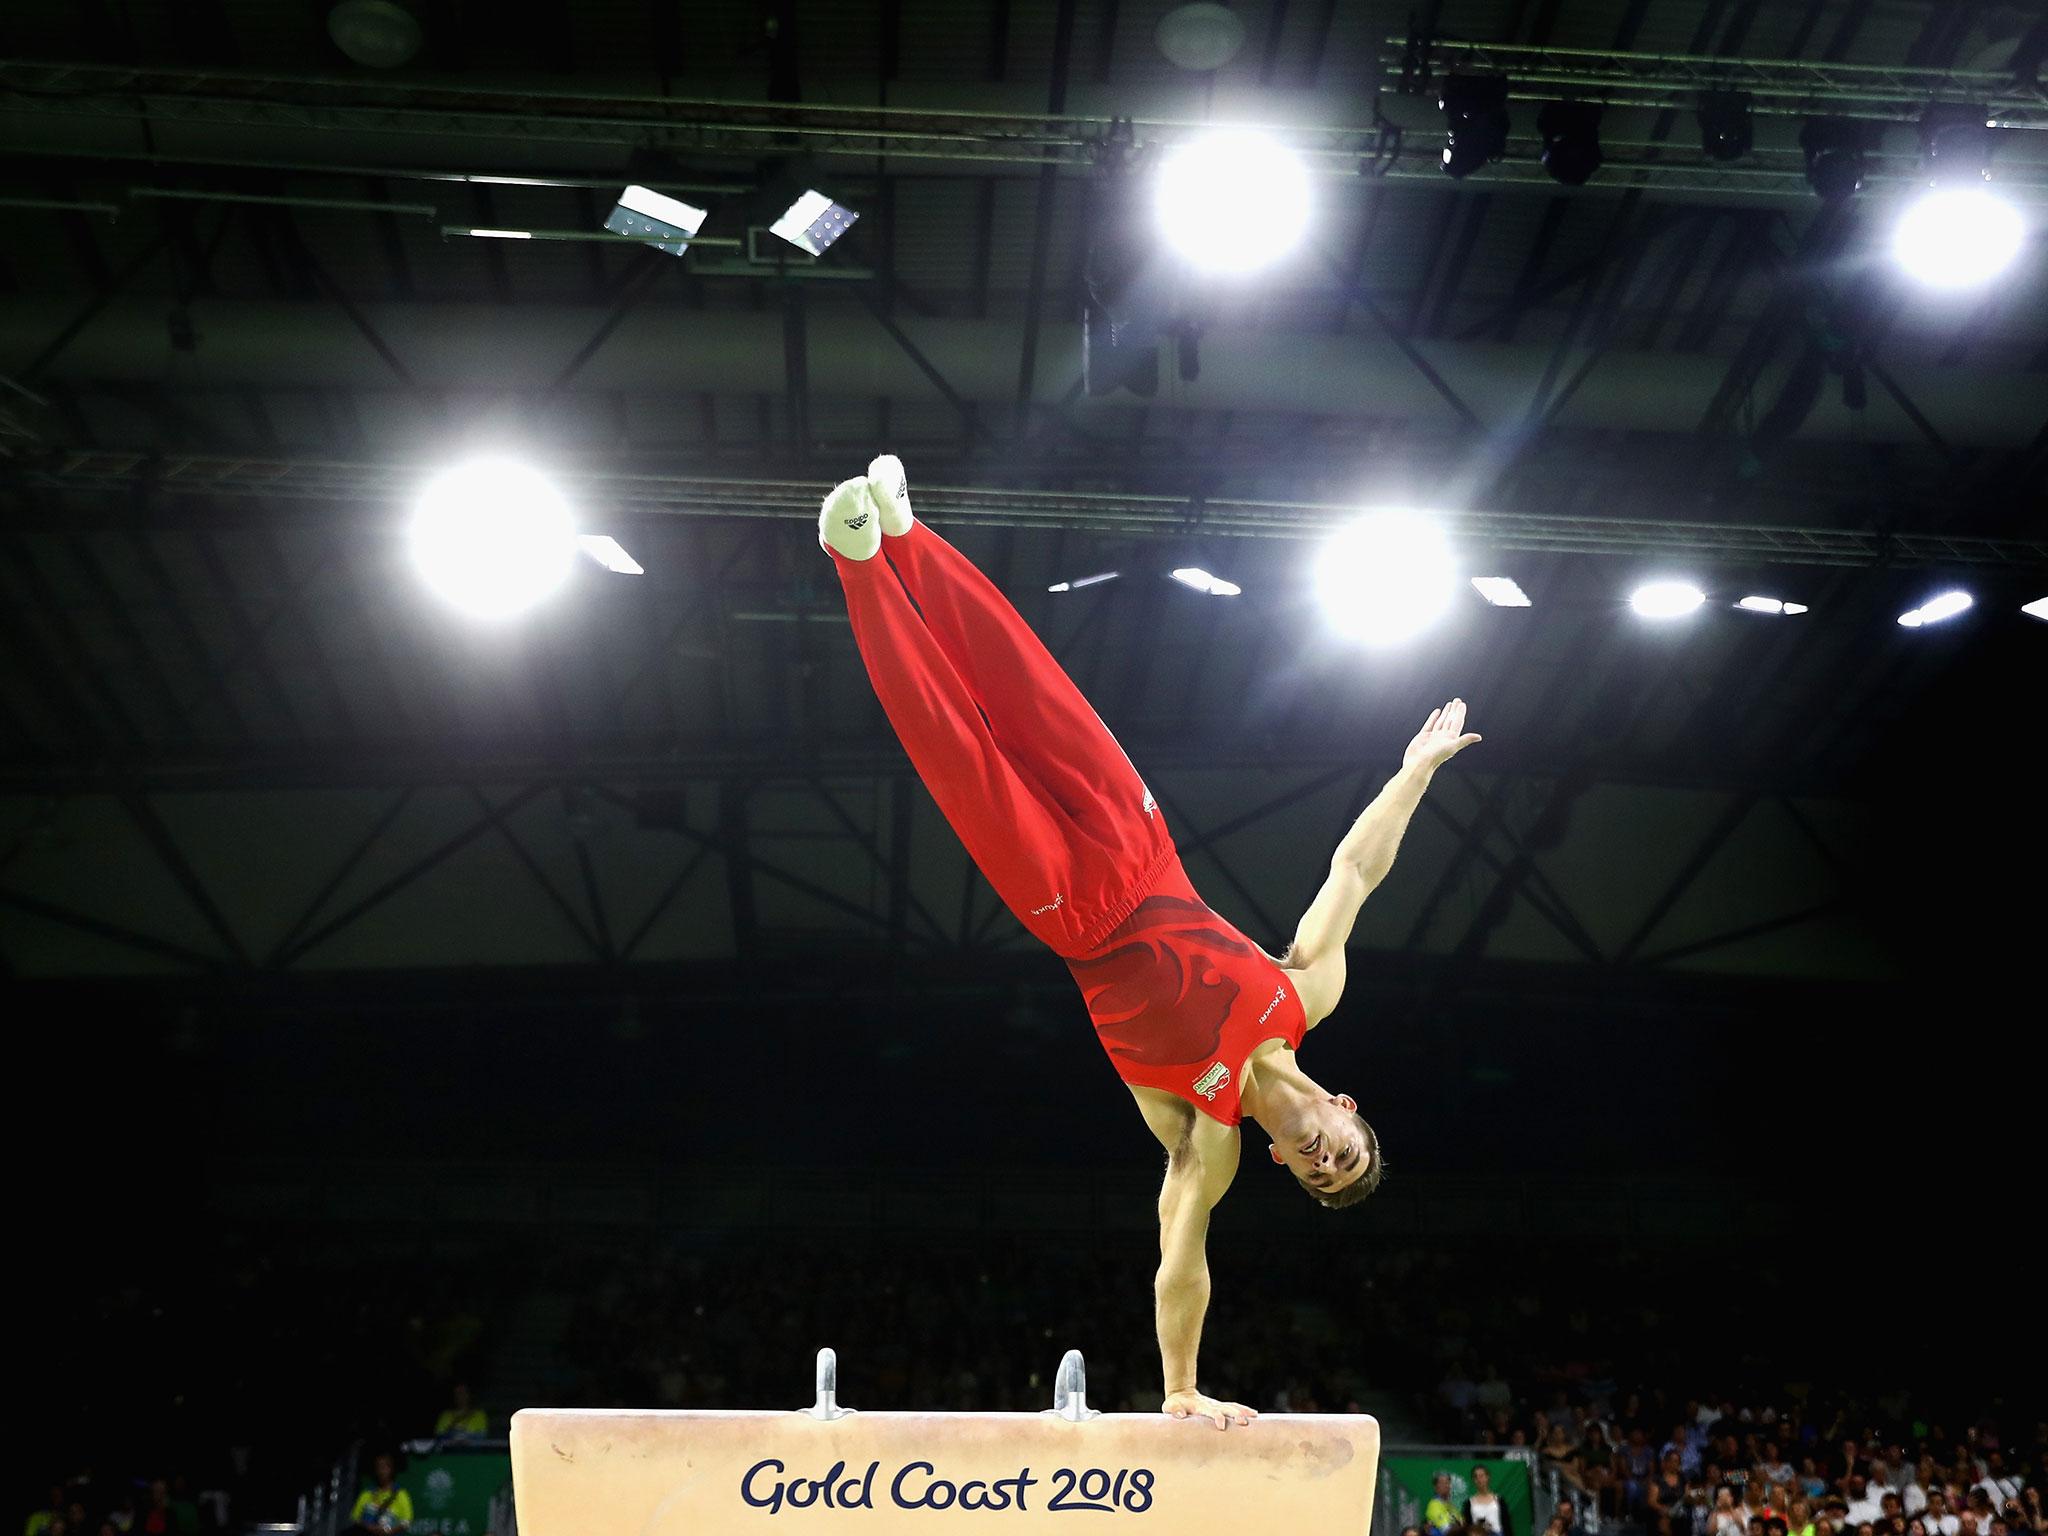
{"points": [[375, 1506]]}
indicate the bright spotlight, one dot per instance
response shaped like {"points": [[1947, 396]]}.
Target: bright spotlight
{"points": [[1935, 609], [1501, 591], [492, 537], [1386, 577], [1958, 237], [1194, 576], [1232, 201], [1771, 605], [1666, 599], [2037, 609]]}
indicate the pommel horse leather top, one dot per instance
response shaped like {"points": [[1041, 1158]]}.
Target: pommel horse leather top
{"points": [[622, 1472]]}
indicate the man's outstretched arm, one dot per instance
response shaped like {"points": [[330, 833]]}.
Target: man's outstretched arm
{"points": [[1180, 1291], [1363, 858]]}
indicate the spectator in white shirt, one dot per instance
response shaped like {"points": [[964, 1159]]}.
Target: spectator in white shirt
{"points": [[1864, 1508], [1938, 1517], [1997, 1485]]}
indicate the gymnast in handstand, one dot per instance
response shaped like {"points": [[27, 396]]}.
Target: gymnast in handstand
{"points": [[1200, 1023]]}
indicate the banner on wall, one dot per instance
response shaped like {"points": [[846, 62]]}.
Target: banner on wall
{"points": [[1409, 1482], [452, 1491]]}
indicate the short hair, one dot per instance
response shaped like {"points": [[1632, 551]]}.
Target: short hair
{"points": [[1360, 1187]]}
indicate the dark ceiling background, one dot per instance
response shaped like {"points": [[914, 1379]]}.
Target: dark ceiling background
{"points": [[252, 781]]}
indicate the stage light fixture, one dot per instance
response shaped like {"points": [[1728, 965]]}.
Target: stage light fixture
{"points": [[1386, 578], [1727, 129], [492, 537], [2037, 609], [1944, 606], [1475, 109], [1084, 581], [813, 222], [1571, 140], [609, 553], [1771, 605], [379, 34], [1836, 149], [1958, 233], [1233, 200], [1501, 591], [666, 223], [1201, 581], [1666, 599]]}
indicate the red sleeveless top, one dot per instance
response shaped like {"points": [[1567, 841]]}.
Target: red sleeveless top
{"points": [[1180, 998]]}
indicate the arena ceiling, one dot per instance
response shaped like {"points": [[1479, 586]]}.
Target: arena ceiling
{"points": [[241, 314]]}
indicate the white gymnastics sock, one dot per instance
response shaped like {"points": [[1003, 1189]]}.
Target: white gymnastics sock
{"points": [[892, 493], [847, 522]]}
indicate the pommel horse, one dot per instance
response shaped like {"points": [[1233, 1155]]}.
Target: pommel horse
{"points": [[626, 1472]]}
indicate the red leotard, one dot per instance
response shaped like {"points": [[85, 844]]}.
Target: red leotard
{"points": [[1053, 813]]}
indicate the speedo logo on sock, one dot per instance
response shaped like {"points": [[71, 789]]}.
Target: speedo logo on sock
{"points": [[1213, 1081]]}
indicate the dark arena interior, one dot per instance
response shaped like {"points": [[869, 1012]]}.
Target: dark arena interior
{"points": [[475, 939]]}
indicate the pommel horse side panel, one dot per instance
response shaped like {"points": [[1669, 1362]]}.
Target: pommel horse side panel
{"points": [[599, 1472]]}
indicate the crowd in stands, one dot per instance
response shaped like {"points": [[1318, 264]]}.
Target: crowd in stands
{"points": [[253, 1371]]}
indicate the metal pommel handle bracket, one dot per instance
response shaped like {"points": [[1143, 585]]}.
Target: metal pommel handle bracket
{"points": [[1070, 1390], [827, 1406]]}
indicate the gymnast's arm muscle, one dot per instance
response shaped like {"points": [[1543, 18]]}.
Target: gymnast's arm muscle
{"points": [[1180, 1291], [1363, 859]]}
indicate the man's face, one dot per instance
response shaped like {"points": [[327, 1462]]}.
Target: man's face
{"points": [[1443, 1485], [1566, 1513], [1327, 1149]]}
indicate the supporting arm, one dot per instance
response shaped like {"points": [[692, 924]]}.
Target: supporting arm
{"points": [[1180, 1291]]}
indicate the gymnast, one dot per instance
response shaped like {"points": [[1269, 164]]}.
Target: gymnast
{"points": [[1200, 1023]]}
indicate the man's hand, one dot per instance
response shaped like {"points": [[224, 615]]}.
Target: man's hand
{"points": [[1190, 1404], [1440, 739]]}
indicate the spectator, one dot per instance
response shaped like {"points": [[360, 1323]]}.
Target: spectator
{"points": [[39, 1520], [384, 1508], [1636, 1463], [1559, 1455], [1941, 1521], [461, 1416], [1726, 1519], [1564, 1520], [1485, 1508], [1996, 1483], [1440, 1514], [1664, 1498], [1596, 1466], [1864, 1508], [1492, 1393]]}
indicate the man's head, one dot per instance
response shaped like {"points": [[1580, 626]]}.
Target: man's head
{"points": [[1332, 1152], [384, 1469], [459, 1395], [1566, 1513], [1441, 1483]]}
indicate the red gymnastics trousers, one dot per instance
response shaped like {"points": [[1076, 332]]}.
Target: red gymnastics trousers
{"points": [[1054, 815]]}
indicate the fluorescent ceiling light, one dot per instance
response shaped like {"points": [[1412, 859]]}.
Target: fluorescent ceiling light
{"points": [[1194, 576], [1501, 591], [1083, 581], [607, 552], [665, 223]]}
